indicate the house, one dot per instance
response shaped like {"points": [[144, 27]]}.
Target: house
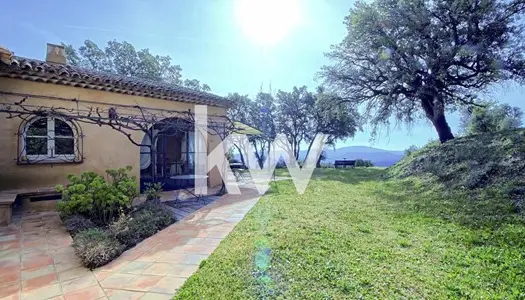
{"points": [[68, 120]]}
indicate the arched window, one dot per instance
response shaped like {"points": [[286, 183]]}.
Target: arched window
{"points": [[49, 139]]}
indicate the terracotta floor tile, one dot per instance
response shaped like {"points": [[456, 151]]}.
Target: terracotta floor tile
{"points": [[73, 273], [10, 245], [114, 265], [158, 269], [64, 257], [101, 275], [152, 255], [143, 283], [135, 267], [202, 249], [8, 266], [40, 249], [34, 242], [38, 244], [78, 283], [89, 293], [62, 250], [35, 261], [46, 292], [218, 234], [182, 270], [59, 242], [10, 291], [194, 259], [194, 241], [123, 294], [156, 296], [64, 266], [29, 274], [9, 237], [187, 232], [212, 241], [10, 258], [168, 285], [117, 281], [132, 254], [172, 257], [38, 282]]}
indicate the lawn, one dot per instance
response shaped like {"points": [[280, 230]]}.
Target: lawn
{"points": [[353, 235]]}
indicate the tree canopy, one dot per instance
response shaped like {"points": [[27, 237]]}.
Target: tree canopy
{"points": [[299, 114], [122, 58], [408, 59]]}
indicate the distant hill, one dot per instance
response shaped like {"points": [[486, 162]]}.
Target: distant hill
{"points": [[379, 157]]}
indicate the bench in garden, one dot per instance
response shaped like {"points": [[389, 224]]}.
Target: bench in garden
{"points": [[8, 197]]}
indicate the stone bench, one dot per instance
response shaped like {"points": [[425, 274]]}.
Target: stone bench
{"points": [[8, 197]]}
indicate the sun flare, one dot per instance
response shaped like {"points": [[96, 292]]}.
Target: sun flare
{"points": [[267, 22]]}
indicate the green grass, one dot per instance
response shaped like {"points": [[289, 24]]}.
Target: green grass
{"points": [[351, 235]]}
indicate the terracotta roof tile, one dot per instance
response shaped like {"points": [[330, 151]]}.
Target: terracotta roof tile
{"points": [[40, 71]]}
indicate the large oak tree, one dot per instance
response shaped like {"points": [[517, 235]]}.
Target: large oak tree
{"points": [[419, 58]]}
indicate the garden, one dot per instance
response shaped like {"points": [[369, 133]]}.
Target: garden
{"points": [[354, 235], [99, 214]]}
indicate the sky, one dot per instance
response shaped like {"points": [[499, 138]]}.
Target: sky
{"points": [[229, 44]]}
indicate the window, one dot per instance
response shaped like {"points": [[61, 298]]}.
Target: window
{"points": [[49, 139]]}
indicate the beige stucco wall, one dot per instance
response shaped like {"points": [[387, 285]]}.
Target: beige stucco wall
{"points": [[103, 147]]}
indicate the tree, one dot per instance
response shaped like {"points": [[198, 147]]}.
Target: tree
{"points": [[123, 59], [293, 114], [322, 157], [240, 112], [263, 117], [299, 115], [259, 114], [413, 58], [329, 115], [490, 118], [196, 85]]}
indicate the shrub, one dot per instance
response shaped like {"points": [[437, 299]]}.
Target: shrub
{"points": [[91, 196], [411, 150], [363, 163], [76, 223], [153, 191], [96, 247], [491, 117], [147, 220]]}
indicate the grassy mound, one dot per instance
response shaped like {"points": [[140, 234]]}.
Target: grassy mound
{"points": [[485, 161]]}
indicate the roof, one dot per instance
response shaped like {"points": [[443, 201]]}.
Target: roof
{"points": [[41, 71]]}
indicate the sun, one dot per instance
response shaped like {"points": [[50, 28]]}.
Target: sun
{"points": [[267, 22]]}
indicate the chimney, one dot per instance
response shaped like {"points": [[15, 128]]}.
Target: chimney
{"points": [[56, 54]]}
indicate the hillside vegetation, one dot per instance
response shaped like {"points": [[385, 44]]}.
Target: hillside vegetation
{"points": [[479, 163]]}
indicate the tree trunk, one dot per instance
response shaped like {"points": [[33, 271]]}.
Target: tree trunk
{"points": [[442, 128], [241, 156], [435, 112]]}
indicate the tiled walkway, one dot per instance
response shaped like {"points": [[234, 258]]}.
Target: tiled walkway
{"points": [[37, 261]]}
